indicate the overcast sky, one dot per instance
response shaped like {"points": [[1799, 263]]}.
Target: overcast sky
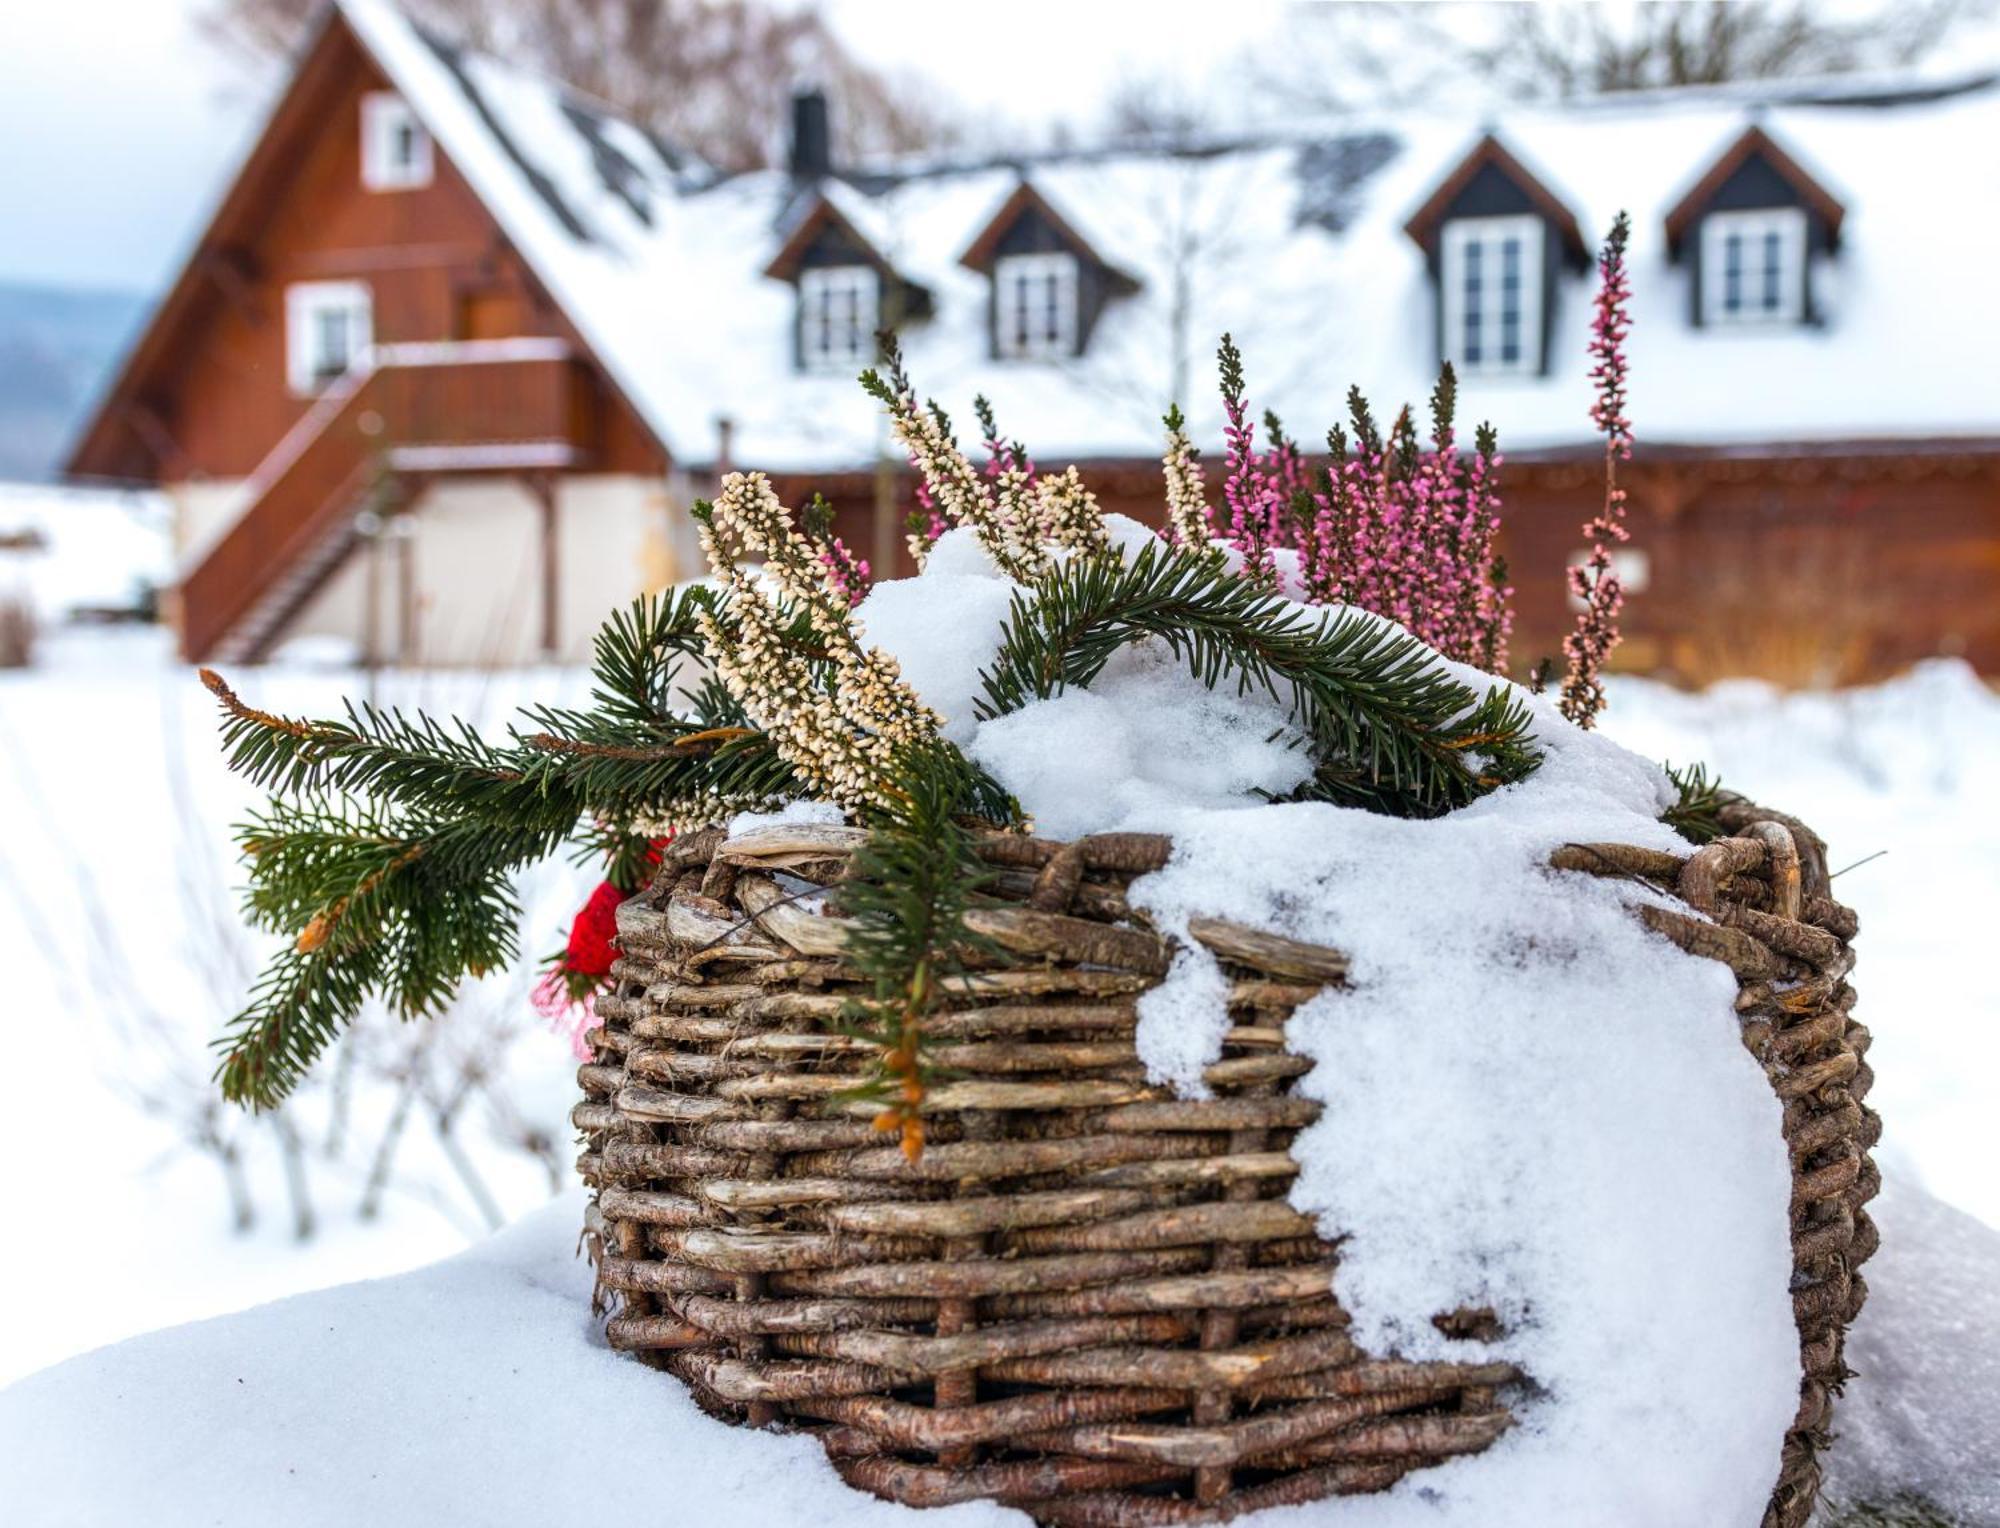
{"points": [[119, 123]]}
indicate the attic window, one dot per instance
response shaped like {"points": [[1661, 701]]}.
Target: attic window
{"points": [[395, 149], [1034, 312], [1753, 267], [1492, 277], [329, 325], [837, 306]]}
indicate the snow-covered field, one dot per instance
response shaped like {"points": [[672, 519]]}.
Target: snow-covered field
{"points": [[114, 928], [124, 958]]}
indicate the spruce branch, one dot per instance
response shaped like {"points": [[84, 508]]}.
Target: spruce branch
{"points": [[906, 892], [1388, 729], [1697, 810]]}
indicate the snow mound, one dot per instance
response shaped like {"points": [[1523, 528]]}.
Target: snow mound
{"points": [[478, 1390], [1918, 1418]]}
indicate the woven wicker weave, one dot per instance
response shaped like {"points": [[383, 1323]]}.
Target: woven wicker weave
{"points": [[1089, 1298]]}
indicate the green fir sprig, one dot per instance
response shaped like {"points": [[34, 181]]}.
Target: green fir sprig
{"points": [[1388, 729], [906, 891], [386, 858], [1697, 810]]}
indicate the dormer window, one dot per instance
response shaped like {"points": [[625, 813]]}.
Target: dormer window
{"points": [[1050, 286], [837, 316], [847, 289], [1750, 230], [1035, 306], [1492, 279], [1753, 267], [1495, 240], [395, 149]]}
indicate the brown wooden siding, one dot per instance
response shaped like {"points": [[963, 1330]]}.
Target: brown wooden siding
{"points": [[1803, 570], [436, 263]]}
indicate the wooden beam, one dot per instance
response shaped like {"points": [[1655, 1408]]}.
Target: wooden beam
{"points": [[235, 276], [543, 486], [153, 434]]}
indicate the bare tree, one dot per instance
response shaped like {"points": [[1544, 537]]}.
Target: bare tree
{"points": [[715, 76], [1156, 111], [1344, 55]]}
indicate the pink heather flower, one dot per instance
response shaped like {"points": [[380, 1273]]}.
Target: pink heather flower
{"points": [[1589, 646], [846, 571], [1398, 526]]}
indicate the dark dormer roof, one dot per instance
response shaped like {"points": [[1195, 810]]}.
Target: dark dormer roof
{"points": [[1025, 201], [1756, 148], [1490, 161], [818, 229], [819, 220]]}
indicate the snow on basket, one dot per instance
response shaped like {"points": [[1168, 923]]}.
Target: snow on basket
{"points": [[1147, 1029]]}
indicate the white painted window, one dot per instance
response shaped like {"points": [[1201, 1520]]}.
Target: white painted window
{"points": [[1035, 306], [395, 149], [329, 325], [1753, 267], [837, 306], [1492, 274]]}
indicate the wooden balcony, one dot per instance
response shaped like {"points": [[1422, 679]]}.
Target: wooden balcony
{"points": [[475, 406]]}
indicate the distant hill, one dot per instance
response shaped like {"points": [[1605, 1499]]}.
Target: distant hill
{"points": [[57, 347]]}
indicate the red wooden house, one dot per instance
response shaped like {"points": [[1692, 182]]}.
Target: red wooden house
{"points": [[459, 346]]}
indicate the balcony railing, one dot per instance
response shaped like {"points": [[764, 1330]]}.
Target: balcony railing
{"points": [[479, 405]]}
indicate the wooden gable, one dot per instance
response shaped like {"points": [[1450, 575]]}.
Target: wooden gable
{"points": [[204, 394], [825, 236]]}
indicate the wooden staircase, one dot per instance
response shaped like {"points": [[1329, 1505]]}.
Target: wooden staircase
{"points": [[403, 413]]}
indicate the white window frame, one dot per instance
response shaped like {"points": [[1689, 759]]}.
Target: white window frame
{"points": [[1753, 228], [385, 118], [1467, 241], [308, 307], [829, 339], [1049, 277]]}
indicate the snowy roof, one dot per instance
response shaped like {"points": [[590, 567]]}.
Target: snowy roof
{"points": [[1293, 242]]}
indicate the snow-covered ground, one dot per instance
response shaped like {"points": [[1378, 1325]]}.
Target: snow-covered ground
{"points": [[113, 928], [124, 959], [478, 1391]]}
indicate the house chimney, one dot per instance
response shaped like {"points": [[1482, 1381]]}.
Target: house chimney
{"points": [[812, 143]]}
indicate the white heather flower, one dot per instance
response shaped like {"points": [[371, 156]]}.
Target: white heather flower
{"points": [[963, 497], [1067, 512], [839, 739], [1187, 492]]}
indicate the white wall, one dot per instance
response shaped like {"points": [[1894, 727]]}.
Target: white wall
{"points": [[202, 512], [474, 547]]}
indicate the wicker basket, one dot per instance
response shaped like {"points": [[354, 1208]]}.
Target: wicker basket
{"points": [[1090, 1299]]}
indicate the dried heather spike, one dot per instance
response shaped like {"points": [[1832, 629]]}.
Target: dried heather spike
{"points": [[839, 739]]}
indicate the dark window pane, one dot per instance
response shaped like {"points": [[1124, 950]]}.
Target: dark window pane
{"points": [[1732, 273], [1773, 273], [331, 343]]}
